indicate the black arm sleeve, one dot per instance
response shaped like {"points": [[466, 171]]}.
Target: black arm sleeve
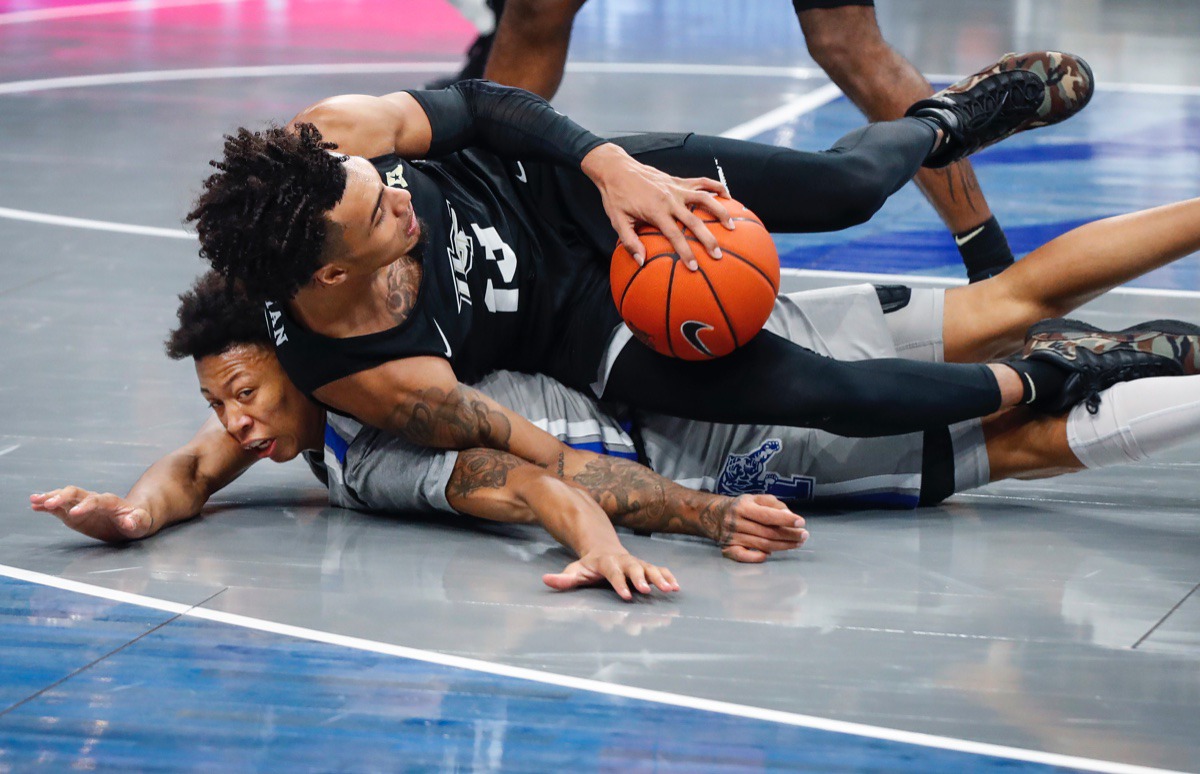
{"points": [[509, 122]]}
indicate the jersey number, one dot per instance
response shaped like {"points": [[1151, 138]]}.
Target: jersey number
{"points": [[499, 299]]}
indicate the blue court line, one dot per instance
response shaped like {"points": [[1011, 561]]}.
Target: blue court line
{"points": [[91, 682]]}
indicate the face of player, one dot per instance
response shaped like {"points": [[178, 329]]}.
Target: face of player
{"points": [[377, 223], [257, 403]]}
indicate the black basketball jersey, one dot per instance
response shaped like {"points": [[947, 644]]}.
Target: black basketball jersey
{"points": [[487, 296]]}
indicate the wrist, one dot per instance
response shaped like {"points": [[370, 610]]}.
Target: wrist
{"points": [[597, 161], [711, 516], [604, 550]]}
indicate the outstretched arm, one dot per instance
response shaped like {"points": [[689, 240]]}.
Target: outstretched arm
{"points": [[517, 124], [497, 486], [173, 489]]}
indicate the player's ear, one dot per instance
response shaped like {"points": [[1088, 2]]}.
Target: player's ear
{"points": [[330, 274]]}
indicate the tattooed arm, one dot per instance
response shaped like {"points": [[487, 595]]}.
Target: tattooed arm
{"points": [[421, 400], [748, 528], [496, 485]]}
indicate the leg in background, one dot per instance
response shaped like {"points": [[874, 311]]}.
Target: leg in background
{"points": [[846, 42], [530, 50]]}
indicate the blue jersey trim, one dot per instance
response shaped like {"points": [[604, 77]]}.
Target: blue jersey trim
{"points": [[600, 448], [336, 444]]}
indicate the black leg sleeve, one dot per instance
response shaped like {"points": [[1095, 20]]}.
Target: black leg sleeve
{"points": [[797, 191], [774, 381]]}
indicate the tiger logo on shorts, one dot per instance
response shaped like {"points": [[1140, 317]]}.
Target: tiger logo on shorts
{"points": [[747, 474]]}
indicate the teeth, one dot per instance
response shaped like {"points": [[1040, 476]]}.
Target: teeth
{"points": [[260, 445]]}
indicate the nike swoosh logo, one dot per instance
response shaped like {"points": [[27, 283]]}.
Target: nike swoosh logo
{"points": [[447, 343], [691, 331], [521, 172], [962, 240]]}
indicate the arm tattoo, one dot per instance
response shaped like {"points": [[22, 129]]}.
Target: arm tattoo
{"points": [[451, 419], [480, 469], [403, 282], [717, 520], [636, 497]]}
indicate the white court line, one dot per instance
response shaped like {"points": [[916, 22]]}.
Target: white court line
{"points": [[355, 68], [97, 9], [219, 73], [920, 279], [367, 68], [584, 684], [781, 115], [95, 225]]}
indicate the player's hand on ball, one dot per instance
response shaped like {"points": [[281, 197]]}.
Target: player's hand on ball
{"points": [[622, 570], [757, 526], [105, 517], [634, 193]]}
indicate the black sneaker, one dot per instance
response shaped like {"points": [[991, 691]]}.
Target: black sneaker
{"points": [[1098, 359], [1019, 92]]}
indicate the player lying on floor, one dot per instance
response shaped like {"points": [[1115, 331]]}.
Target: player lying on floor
{"points": [[262, 415]]}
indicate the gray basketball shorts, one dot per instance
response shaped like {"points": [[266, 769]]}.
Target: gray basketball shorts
{"points": [[801, 464]]}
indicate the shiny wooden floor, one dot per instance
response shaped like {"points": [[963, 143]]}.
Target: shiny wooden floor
{"points": [[1046, 619]]}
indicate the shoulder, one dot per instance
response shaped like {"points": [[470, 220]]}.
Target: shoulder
{"points": [[363, 125]]}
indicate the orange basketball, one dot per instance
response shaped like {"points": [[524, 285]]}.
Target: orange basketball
{"points": [[699, 315]]}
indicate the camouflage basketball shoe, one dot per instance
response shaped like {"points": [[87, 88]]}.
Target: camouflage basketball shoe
{"points": [[1019, 92], [1099, 359]]}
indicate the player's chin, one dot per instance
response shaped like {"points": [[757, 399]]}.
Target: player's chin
{"points": [[283, 451]]}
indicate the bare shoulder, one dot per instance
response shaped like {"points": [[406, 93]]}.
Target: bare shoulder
{"points": [[363, 125]]}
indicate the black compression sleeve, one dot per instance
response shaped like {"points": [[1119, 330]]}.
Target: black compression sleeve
{"points": [[509, 122], [771, 381]]}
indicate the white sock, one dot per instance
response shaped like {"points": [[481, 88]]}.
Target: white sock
{"points": [[1136, 421]]}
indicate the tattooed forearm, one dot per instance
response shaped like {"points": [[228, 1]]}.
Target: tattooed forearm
{"points": [[717, 520], [452, 419], [480, 469], [626, 490], [638, 498]]}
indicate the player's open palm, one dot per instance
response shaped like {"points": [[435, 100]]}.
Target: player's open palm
{"points": [[102, 516], [757, 526], [621, 570]]}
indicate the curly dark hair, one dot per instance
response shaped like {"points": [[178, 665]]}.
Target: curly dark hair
{"points": [[262, 216], [214, 318]]}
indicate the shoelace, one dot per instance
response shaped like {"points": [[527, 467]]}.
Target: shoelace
{"points": [[1000, 101]]}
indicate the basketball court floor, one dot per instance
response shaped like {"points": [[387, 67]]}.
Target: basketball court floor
{"points": [[1022, 627]]}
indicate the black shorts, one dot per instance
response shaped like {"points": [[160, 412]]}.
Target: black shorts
{"points": [[937, 467]]}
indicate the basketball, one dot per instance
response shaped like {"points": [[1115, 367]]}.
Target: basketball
{"points": [[704, 314]]}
